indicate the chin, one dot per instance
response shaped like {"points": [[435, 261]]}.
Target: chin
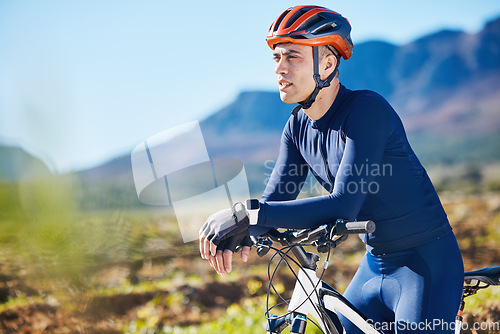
{"points": [[287, 98]]}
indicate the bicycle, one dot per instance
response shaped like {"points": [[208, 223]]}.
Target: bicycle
{"points": [[313, 297]]}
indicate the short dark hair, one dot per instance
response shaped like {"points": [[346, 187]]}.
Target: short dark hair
{"points": [[325, 50]]}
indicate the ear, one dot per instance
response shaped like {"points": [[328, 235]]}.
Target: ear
{"points": [[329, 64]]}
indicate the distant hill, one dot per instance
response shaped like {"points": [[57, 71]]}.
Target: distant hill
{"points": [[16, 164]]}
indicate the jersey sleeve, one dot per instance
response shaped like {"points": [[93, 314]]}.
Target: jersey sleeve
{"points": [[367, 128]]}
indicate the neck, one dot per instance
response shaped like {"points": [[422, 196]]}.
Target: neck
{"points": [[323, 101]]}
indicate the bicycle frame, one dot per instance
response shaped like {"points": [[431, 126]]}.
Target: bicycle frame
{"points": [[305, 301]]}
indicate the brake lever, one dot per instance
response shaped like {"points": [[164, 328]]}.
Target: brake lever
{"points": [[262, 250], [324, 243], [340, 240], [263, 245]]}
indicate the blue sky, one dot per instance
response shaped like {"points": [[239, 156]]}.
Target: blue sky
{"points": [[84, 81]]}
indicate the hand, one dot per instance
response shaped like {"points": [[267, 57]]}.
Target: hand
{"points": [[221, 234], [222, 261], [220, 226]]}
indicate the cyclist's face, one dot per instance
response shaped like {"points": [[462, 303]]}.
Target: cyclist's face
{"points": [[294, 70]]}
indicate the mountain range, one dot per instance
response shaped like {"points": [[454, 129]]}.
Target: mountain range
{"points": [[445, 86]]}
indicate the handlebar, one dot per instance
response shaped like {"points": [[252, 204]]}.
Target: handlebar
{"points": [[340, 227], [367, 226], [322, 236]]}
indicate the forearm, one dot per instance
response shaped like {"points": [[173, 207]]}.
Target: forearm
{"points": [[308, 212]]}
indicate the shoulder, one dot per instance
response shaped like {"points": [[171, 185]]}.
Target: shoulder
{"points": [[368, 111], [367, 98], [368, 105]]}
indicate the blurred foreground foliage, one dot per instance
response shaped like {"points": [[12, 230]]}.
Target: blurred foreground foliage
{"points": [[46, 237]]}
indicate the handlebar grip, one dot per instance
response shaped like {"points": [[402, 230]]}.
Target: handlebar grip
{"points": [[343, 227]]}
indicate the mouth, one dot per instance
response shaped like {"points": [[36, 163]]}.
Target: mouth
{"points": [[283, 84]]}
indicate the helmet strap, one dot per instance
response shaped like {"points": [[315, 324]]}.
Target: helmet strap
{"points": [[306, 104]]}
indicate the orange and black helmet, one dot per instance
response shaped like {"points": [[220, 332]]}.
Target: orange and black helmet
{"points": [[313, 26]]}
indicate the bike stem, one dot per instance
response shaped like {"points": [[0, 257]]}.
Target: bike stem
{"points": [[306, 259]]}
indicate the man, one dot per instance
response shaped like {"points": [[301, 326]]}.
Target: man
{"points": [[355, 145]]}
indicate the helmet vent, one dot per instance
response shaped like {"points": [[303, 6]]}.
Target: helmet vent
{"points": [[311, 22], [296, 15], [325, 28], [278, 21]]}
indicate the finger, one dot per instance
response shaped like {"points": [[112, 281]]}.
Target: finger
{"points": [[206, 247], [220, 263], [212, 247], [204, 233], [211, 260], [245, 252], [203, 247], [228, 258]]}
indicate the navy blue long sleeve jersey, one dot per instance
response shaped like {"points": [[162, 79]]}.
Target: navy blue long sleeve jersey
{"points": [[359, 152]]}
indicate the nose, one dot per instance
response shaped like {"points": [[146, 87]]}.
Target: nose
{"points": [[280, 67]]}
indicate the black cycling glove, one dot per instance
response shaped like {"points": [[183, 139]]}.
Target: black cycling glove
{"points": [[235, 243], [226, 223]]}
